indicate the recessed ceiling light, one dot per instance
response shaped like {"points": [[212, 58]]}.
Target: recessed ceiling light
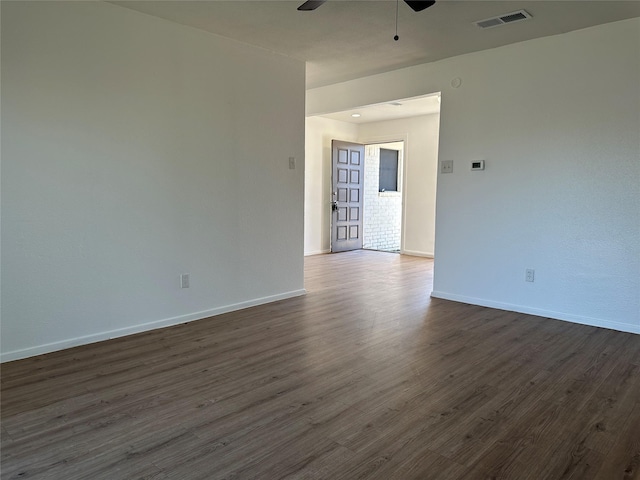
{"points": [[355, 115]]}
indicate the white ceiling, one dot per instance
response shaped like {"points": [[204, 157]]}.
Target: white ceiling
{"points": [[347, 39], [411, 107], [343, 40]]}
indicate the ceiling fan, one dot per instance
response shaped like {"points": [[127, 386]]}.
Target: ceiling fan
{"points": [[416, 5]]}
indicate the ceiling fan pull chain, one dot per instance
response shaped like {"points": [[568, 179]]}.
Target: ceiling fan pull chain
{"points": [[396, 37]]}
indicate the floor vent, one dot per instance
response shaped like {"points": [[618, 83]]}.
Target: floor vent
{"points": [[503, 19]]}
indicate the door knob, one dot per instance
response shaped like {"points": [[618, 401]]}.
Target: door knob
{"points": [[334, 206]]}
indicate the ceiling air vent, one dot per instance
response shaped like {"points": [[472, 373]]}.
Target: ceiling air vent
{"points": [[504, 19]]}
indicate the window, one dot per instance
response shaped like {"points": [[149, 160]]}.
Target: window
{"points": [[388, 181]]}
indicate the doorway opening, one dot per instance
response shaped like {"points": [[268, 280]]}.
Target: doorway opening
{"points": [[415, 123], [382, 209]]}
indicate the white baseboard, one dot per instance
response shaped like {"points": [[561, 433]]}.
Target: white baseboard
{"points": [[567, 317], [317, 252], [415, 253], [143, 327]]}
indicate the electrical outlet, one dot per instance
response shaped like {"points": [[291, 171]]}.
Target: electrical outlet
{"points": [[529, 275], [184, 280], [292, 163], [446, 166]]}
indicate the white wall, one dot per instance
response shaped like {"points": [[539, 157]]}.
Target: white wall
{"points": [[317, 192], [420, 168], [557, 120], [135, 150]]}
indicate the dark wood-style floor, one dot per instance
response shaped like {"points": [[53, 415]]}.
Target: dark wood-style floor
{"points": [[364, 377]]}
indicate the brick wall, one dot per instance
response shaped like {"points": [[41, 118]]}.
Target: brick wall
{"points": [[382, 220]]}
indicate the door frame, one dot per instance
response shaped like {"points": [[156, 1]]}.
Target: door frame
{"points": [[397, 137]]}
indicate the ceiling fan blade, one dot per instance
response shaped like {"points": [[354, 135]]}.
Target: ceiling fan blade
{"points": [[418, 5], [311, 5]]}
